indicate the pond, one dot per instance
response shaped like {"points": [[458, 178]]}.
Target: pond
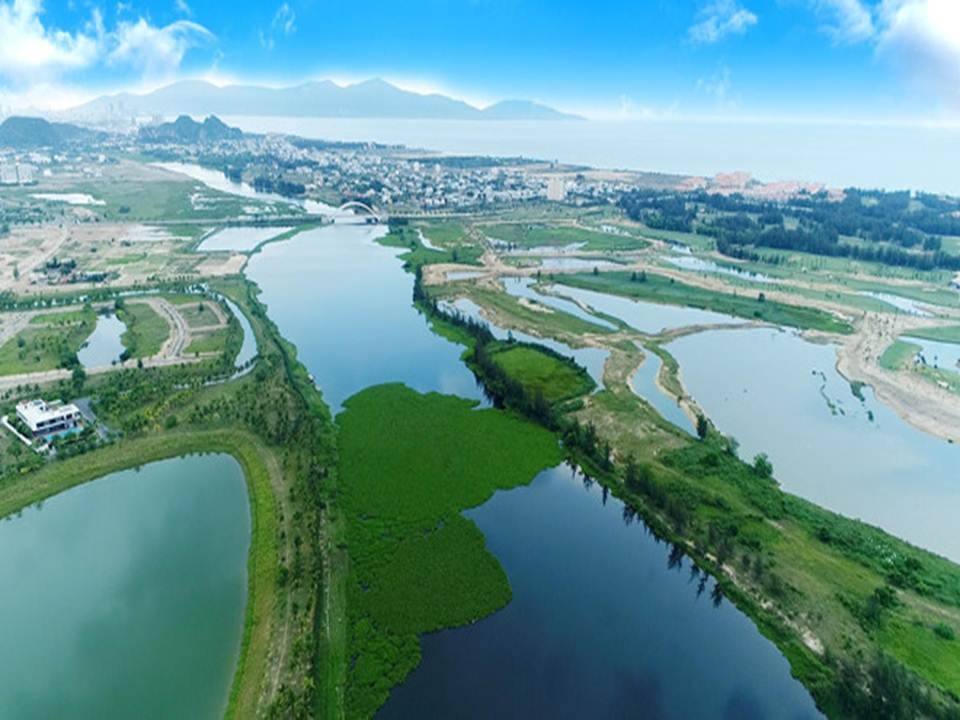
{"points": [[906, 305], [104, 345], [937, 354], [239, 239], [346, 303], [646, 317], [522, 287], [778, 394], [605, 622], [592, 359], [125, 597], [644, 384], [696, 264]]}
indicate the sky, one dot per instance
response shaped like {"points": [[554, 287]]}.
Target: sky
{"points": [[859, 61]]}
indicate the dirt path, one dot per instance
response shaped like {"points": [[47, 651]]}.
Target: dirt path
{"points": [[919, 402]]}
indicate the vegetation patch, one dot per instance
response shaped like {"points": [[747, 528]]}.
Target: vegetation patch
{"points": [[409, 464], [146, 331], [899, 355], [522, 235], [543, 372], [48, 347], [658, 288]]}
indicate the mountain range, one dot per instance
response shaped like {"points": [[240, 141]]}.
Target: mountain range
{"points": [[371, 99], [28, 133], [185, 130]]}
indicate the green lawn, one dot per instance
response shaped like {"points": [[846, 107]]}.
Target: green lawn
{"points": [[208, 342], [529, 236], [445, 233], [417, 255], [540, 371], [409, 464], [940, 334], [899, 355], [37, 349], [658, 288], [146, 330]]}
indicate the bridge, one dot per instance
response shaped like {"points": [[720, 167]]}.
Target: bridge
{"points": [[356, 212]]}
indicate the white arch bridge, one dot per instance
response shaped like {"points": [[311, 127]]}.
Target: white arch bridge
{"points": [[356, 212]]}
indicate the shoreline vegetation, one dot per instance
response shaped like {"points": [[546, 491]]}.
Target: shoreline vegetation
{"points": [[358, 546], [274, 423], [867, 621]]}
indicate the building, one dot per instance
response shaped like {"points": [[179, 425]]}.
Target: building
{"points": [[43, 419], [8, 174], [557, 189]]}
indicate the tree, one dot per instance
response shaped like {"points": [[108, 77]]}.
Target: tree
{"points": [[703, 426], [762, 466]]}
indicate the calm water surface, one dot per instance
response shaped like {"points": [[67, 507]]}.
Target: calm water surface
{"points": [[124, 597], [103, 347], [346, 303], [240, 239], [779, 394], [522, 287], [646, 317], [644, 384], [603, 624]]}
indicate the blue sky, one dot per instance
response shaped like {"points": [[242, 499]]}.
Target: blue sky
{"points": [[861, 60]]}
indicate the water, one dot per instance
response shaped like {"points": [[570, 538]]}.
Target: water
{"points": [[240, 239], [644, 384], [216, 180], [697, 264], [577, 263], [248, 349], [599, 626], [103, 347], [592, 359], [646, 317], [345, 302], [779, 394], [521, 287], [942, 355], [906, 305], [463, 275], [125, 597], [841, 155]]}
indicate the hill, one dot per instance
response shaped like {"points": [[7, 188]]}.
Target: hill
{"points": [[25, 133], [187, 131], [371, 99]]}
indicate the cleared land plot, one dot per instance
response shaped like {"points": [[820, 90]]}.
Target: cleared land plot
{"points": [[531, 236]]}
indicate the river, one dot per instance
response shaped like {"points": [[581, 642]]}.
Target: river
{"points": [[125, 597], [598, 623]]}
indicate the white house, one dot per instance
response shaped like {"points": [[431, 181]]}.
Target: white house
{"points": [[44, 419]]}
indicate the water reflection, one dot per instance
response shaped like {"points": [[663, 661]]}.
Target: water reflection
{"points": [[606, 621]]}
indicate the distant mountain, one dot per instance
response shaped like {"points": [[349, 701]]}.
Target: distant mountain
{"points": [[185, 130], [371, 99], [27, 133]]}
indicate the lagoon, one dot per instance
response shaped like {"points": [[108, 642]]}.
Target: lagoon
{"points": [[605, 622], [104, 346], [779, 394], [125, 597]]}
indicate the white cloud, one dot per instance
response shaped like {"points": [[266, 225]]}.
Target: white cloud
{"points": [[718, 88], [156, 51], [183, 8], [923, 38], [28, 49], [32, 52], [846, 21], [283, 23], [720, 19]]}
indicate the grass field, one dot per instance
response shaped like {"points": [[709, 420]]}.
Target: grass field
{"points": [[409, 464], [541, 372], [899, 355], [444, 233], [658, 288], [37, 349], [940, 334], [530, 236], [146, 331], [417, 254]]}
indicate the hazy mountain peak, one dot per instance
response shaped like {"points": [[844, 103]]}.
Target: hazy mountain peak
{"points": [[373, 98]]}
